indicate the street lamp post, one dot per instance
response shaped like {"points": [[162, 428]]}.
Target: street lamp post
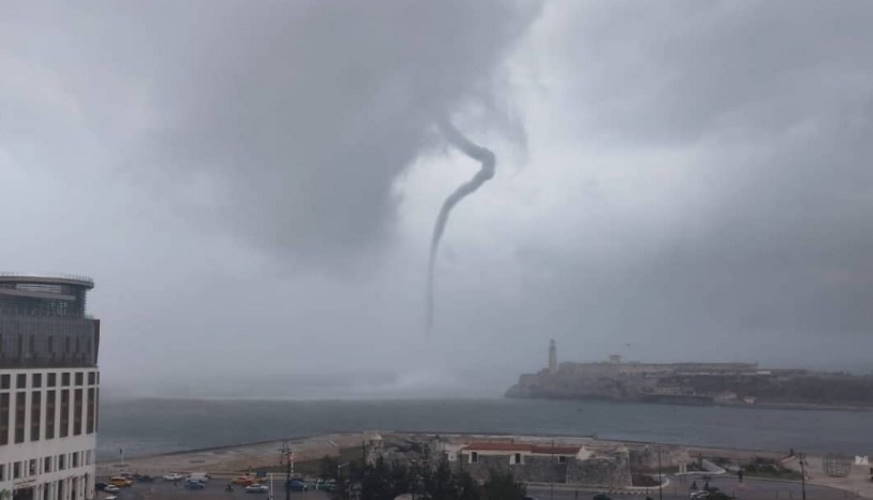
{"points": [[289, 465], [660, 477], [339, 478], [803, 475], [551, 479]]}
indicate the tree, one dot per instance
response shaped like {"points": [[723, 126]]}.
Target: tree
{"points": [[328, 467], [376, 482], [468, 488], [502, 486], [441, 484]]}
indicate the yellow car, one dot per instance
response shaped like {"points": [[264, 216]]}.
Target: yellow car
{"points": [[120, 481]]}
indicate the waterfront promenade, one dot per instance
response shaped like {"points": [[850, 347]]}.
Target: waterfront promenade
{"points": [[228, 462]]}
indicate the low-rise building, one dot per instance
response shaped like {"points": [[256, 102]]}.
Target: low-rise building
{"points": [[547, 463]]}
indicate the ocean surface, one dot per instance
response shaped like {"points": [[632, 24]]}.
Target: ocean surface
{"points": [[151, 426]]}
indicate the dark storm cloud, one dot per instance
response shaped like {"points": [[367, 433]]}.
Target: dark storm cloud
{"points": [[773, 101], [698, 184], [304, 111], [680, 71]]}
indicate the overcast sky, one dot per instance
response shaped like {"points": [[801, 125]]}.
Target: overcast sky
{"points": [[253, 185]]}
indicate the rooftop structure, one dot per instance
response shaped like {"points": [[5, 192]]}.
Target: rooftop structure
{"points": [[539, 461], [42, 295]]}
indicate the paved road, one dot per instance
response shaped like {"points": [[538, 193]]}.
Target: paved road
{"points": [[678, 489], [751, 489], [161, 490]]}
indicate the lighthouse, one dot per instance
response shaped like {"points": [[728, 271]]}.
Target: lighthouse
{"points": [[553, 357]]}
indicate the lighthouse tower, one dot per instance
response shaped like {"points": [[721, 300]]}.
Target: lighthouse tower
{"points": [[553, 357]]}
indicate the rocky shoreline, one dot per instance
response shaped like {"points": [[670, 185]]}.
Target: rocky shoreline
{"points": [[764, 405]]}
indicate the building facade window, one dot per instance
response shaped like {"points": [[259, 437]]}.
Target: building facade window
{"points": [[35, 414], [65, 413], [36, 381], [92, 406], [47, 464], [5, 381], [474, 458], [20, 407], [52, 379], [80, 377], [62, 463], [31, 467], [4, 418], [50, 414], [77, 413], [96, 409], [65, 379], [92, 378], [21, 380], [16, 470]]}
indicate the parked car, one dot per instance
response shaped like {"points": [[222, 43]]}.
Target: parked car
{"points": [[244, 480], [111, 488], [710, 494], [199, 476], [296, 485], [173, 476], [121, 481], [100, 486], [328, 485], [257, 488], [110, 497], [193, 484]]}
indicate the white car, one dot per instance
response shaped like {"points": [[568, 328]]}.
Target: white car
{"points": [[174, 476], [111, 497], [111, 488], [257, 488]]}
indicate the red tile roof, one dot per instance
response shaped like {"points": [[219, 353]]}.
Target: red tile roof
{"points": [[543, 449]]}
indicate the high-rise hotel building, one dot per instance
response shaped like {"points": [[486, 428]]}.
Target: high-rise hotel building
{"points": [[48, 388]]}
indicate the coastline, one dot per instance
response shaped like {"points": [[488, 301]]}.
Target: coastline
{"points": [[230, 460], [720, 404]]}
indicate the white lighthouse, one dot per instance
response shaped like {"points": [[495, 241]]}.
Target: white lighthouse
{"points": [[553, 357]]}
